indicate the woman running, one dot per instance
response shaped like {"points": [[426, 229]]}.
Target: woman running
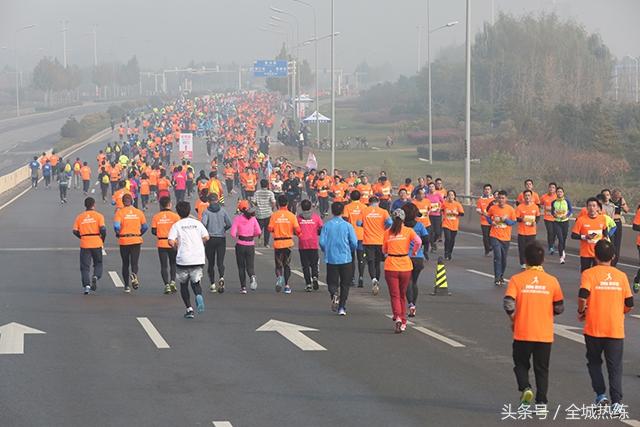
{"points": [[244, 229], [452, 211], [561, 210], [412, 213], [398, 267]]}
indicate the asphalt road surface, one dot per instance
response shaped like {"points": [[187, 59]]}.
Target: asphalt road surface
{"points": [[23, 137], [112, 359]]}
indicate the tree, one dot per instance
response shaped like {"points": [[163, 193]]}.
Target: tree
{"points": [[280, 84]]}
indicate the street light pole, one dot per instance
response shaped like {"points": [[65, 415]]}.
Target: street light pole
{"points": [[467, 163], [333, 93], [429, 78], [17, 72]]}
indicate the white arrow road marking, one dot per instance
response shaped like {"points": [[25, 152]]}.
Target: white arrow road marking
{"points": [[565, 332], [12, 337], [293, 333], [116, 279], [153, 332], [222, 424], [437, 336]]}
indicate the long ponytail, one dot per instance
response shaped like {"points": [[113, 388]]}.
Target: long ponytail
{"points": [[396, 226]]}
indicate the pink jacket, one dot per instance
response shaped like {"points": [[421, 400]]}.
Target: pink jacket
{"points": [[244, 230], [309, 231]]}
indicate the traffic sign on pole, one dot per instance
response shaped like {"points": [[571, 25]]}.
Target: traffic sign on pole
{"points": [[270, 68]]}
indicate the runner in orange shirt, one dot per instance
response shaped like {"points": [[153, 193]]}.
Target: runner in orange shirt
{"points": [[375, 220], [589, 229], [546, 200], [89, 227], [532, 299], [129, 224], [283, 225], [527, 215], [603, 300], [636, 227], [482, 205], [160, 225], [353, 214], [365, 189], [203, 203], [452, 210], [85, 175], [145, 190], [528, 185], [323, 185], [116, 199], [400, 243], [502, 217]]}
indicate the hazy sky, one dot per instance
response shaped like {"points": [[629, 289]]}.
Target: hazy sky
{"points": [[168, 33]]}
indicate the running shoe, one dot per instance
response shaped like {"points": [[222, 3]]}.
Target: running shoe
{"points": [[523, 266], [552, 250], [94, 283], [221, 285], [172, 285], [308, 288], [133, 277], [287, 289], [375, 288], [497, 282], [334, 303], [189, 313], [243, 290], [279, 283], [636, 286], [412, 310], [87, 289], [526, 396], [342, 311], [253, 283], [398, 326], [167, 289], [127, 290], [213, 288], [562, 260], [360, 282], [316, 286], [403, 327], [601, 400], [199, 304]]}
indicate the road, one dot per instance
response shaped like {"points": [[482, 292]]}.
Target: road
{"points": [[23, 137], [97, 365]]}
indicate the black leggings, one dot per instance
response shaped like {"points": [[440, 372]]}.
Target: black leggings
{"points": [[449, 241], [323, 205], [245, 256], [130, 255], [358, 258], [523, 242], [561, 231], [436, 229], [167, 264], [309, 260], [551, 233], [215, 249], [283, 261], [373, 255], [617, 243], [412, 290]]}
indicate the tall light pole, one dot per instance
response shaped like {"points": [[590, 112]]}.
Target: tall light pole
{"points": [[315, 36], [333, 92], [95, 46], [429, 102], [293, 80], [64, 43], [17, 72], [296, 82], [467, 162]]}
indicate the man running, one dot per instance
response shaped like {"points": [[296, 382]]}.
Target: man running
{"points": [[161, 223], [217, 222], [502, 217], [603, 300], [188, 236], [353, 214], [310, 227], [130, 225], [527, 215], [90, 228], [482, 205], [34, 166], [589, 229], [283, 225], [373, 227], [546, 201], [265, 203]]}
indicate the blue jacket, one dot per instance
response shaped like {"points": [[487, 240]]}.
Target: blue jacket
{"points": [[422, 233], [338, 240]]}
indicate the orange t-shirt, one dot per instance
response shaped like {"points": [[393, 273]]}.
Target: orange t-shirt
{"points": [[373, 226], [338, 191], [200, 208], [131, 220], [323, 185], [85, 173], [365, 192], [482, 204], [546, 201], [608, 288], [353, 213], [162, 222], [424, 206], [145, 187], [396, 247], [500, 229], [527, 215], [535, 198], [117, 197], [88, 224], [163, 184], [451, 215], [283, 224], [636, 221], [535, 292], [584, 226]]}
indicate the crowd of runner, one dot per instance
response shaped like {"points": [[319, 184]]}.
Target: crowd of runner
{"points": [[376, 230]]}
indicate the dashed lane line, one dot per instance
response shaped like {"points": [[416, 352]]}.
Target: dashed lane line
{"points": [[299, 273], [222, 424], [446, 340], [153, 333], [116, 279]]}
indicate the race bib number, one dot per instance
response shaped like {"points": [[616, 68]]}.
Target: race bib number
{"points": [[498, 223], [529, 220], [435, 207], [597, 236]]}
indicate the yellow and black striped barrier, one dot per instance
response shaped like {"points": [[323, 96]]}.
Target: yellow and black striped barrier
{"points": [[440, 287]]}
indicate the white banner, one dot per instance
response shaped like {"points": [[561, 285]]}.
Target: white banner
{"points": [[185, 146]]}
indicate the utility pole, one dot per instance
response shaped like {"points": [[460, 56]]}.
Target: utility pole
{"points": [[64, 43], [467, 163], [333, 92]]}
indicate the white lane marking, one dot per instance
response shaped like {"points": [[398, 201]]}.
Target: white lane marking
{"points": [[153, 332], [93, 191], [480, 273], [468, 247], [222, 424], [632, 423], [299, 273], [437, 336], [409, 322], [22, 193], [637, 316], [258, 253], [104, 252], [566, 332], [423, 160], [116, 279], [293, 333], [12, 337]]}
